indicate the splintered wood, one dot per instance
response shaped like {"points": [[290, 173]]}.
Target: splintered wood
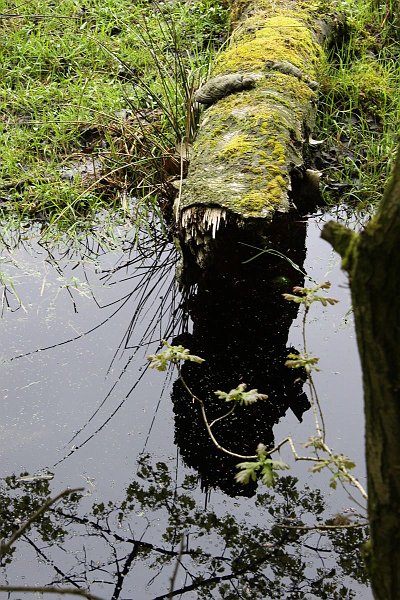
{"points": [[199, 222]]}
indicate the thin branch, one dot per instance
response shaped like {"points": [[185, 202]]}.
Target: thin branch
{"points": [[297, 457], [208, 427], [320, 427], [49, 590], [223, 416], [354, 481], [322, 527]]}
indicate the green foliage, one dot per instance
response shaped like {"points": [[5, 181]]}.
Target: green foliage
{"points": [[359, 104], [172, 354], [264, 467], [109, 87], [22, 496], [338, 464], [240, 396], [302, 361], [308, 295]]}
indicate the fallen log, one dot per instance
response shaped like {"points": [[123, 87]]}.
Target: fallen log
{"points": [[247, 166]]}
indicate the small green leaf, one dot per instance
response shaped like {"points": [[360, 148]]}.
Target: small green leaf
{"points": [[302, 360], [174, 354], [307, 296], [240, 395], [319, 466], [347, 463], [248, 471], [292, 298], [268, 475]]}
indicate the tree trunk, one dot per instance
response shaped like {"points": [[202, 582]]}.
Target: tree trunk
{"points": [[372, 260], [247, 163]]}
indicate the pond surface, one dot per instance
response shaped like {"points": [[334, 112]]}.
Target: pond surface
{"points": [[79, 403]]}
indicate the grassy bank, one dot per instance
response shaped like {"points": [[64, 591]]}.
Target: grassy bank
{"points": [[96, 112], [93, 100], [359, 108]]}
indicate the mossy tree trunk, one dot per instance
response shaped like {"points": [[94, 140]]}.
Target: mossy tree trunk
{"points": [[247, 164], [372, 260]]}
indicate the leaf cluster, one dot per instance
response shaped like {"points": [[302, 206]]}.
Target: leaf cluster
{"points": [[309, 295], [302, 360], [264, 467], [338, 464], [171, 354], [240, 396]]}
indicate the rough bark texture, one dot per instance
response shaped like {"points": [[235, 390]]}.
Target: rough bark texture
{"points": [[253, 134], [373, 262]]}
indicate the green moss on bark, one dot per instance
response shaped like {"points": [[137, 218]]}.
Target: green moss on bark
{"points": [[279, 38], [249, 141]]}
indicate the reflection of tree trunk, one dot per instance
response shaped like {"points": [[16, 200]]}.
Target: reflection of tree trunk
{"points": [[240, 326], [247, 166], [372, 261]]}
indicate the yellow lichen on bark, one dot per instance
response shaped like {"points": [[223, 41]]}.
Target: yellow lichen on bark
{"points": [[276, 38]]}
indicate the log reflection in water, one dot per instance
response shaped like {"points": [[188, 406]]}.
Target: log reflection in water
{"points": [[240, 327]]}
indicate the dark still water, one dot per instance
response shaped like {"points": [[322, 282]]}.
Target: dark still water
{"points": [[160, 515]]}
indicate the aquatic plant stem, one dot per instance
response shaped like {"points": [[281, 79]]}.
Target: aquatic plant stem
{"points": [[304, 332], [350, 478], [207, 424], [318, 416], [223, 416]]}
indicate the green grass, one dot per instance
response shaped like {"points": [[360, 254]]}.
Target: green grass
{"points": [[72, 81], [95, 104], [359, 110]]}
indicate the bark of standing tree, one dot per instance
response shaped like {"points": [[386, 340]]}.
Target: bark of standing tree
{"points": [[372, 261]]}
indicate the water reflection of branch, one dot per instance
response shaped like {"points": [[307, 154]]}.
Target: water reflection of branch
{"points": [[121, 574], [49, 590], [70, 340], [114, 412], [139, 545], [6, 546], [49, 561], [176, 567], [323, 527], [204, 583], [267, 559], [153, 267]]}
